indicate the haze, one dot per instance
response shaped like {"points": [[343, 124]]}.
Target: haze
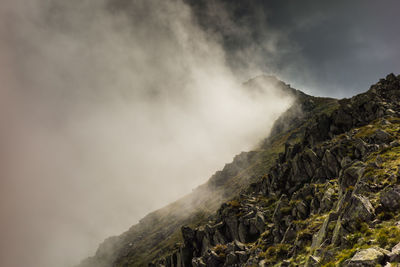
{"points": [[107, 113]]}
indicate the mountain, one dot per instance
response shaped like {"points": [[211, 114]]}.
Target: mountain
{"points": [[322, 189]]}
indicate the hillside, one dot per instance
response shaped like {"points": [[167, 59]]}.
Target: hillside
{"points": [[159, 231], [322, 189]]}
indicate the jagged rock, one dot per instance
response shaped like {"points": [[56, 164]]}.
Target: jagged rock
{"points": [[381, 136], [350, 176], [390, 198], [260, 222], [330, 163], [186, 255], [243, 232], [218, 238], [346, 162], [206, 244], [359, 209], [338, 233], [320, 236], [368, 257], [232, 224], [242, 255], [327, 200], [361, 148], [188, 235], [300, 210], [231, 259]]}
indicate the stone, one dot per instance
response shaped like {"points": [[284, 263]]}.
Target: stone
{"points": [[232, 225], [231, 259], [368, 257], [330, 163], [390, 198], [242, 255], [243, 232], [361, 146], [360, 209], [218, 238], [381, 136], [345, 162], [350, 176], [327, 201], [320, 236], [188, 234], [338, 233]]}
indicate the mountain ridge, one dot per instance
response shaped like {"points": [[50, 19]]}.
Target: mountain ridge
{"points": [[261, 179]]}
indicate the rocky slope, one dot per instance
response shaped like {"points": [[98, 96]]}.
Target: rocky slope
{"points": [[323, 189], [160, 231]]}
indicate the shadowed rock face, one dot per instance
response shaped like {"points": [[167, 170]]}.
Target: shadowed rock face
{"points": [[330, 197]]}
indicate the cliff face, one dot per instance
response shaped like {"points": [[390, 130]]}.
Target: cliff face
{"points": [[323, 189]]}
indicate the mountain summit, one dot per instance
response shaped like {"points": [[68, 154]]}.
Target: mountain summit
{"points": [[322, 189]]}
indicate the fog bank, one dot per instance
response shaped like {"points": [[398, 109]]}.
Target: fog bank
{"points": [[110, 110]]}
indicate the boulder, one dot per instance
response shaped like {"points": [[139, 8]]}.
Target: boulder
{"points": [[360, 209], [368, 257], [243, 232], [390, 198], [330, 163], [327, 200], [350, 176], [381, 136], [361, 148], [232, 225]]}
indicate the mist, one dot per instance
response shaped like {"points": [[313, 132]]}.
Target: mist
{"points": [[110, 110]]}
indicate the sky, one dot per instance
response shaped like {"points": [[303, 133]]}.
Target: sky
{"points": [[328, 48], [110, 109]]}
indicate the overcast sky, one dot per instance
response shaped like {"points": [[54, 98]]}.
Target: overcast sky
{"points": [[335, 48]]}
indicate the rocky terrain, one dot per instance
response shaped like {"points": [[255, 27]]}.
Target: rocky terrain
{"points": [[322, 190]]}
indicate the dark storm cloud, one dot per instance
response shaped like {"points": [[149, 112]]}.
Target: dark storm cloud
{"points": [[335, 48]]}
